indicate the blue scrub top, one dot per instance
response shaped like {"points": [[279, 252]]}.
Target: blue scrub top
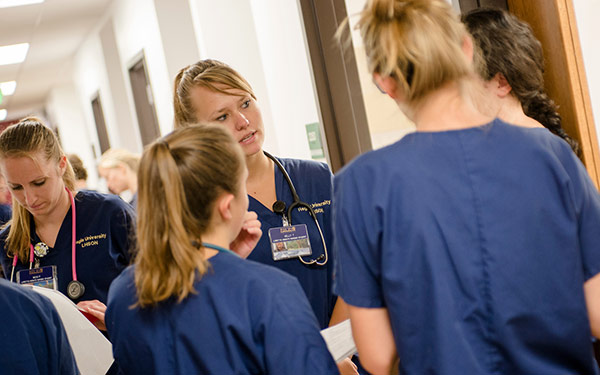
{"points": [[478, 242], [246, 318], [313, 183], [5, 213], [104, 233], [32, 337]]}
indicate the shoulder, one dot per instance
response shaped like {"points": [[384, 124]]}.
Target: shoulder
{"points": [[23, 298], [91, 200], [122, 289], [250, 272], [305, 166]]}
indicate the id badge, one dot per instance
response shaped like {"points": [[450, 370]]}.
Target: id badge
{"points": [[289, 242], [44, 276]]}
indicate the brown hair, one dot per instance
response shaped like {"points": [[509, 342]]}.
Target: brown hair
{"points": [[211, 74], [181, 176], [78, 168], [507, 45], [24, 139], [417, 42]]}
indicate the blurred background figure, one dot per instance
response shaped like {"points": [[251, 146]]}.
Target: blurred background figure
{"points": [[5, 202], [81, 174], [119, 168]]}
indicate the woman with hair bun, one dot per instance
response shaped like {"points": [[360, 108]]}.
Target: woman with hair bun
{"points": [[476, 250], [510, 60], [189, 305]]}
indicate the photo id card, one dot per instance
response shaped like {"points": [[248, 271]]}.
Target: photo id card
{"points": [[44, 276], [289, 242]]}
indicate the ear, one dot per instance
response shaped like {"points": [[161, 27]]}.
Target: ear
{"points": [[500, 85], [387, 84], [467, 47], [62, 165], [223, 206]]}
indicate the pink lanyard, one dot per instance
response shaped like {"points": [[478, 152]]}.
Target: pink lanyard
{"points": [[73, 235]]}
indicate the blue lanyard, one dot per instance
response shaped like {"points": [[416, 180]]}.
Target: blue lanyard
{"points": [[218, 248]]}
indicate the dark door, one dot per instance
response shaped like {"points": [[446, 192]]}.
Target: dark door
{"points": [[100, 124], [144, 102]]}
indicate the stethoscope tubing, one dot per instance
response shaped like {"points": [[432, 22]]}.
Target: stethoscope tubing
{"points": [[296, 204]]}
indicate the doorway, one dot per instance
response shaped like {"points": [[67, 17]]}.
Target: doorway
{"points": [[144, 101]]}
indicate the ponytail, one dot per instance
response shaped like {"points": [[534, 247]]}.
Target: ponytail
{"points": [[180, 177], [543, 109]]}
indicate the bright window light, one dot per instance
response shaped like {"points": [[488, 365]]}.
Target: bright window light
{"points": [[3, 113], [18, 3], [8, 88], [13, 54]]}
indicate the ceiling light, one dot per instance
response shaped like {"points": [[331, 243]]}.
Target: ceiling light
{"points": [[18, 3], [3, 113], [8, 88], [13, 54]]}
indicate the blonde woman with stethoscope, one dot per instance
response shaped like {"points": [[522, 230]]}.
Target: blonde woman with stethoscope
{"points": [[76, 243]]}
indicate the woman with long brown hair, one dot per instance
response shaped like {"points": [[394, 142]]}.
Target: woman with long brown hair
{"points": [[190, 305], [78, 241]]}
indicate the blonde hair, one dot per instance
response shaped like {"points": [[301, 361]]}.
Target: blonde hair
{"points": [[24, 139], [211, 74], [114, 157], [181, 176], [416, 42]]}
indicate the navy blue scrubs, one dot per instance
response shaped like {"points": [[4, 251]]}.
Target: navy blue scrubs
{"points": [[32, 337], [246, 318], [312, 181], [5, 213], [104, 225], [478, 242]]}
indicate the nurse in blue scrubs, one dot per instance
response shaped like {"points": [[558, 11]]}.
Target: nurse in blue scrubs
{"points": [[211, 91], [476, 250], [82, 239], [32, 337], [190, 305]]}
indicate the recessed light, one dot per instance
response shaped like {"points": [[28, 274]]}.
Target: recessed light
{"points": [[8, 88], [18, 3], [13, 54], [3, 113]]}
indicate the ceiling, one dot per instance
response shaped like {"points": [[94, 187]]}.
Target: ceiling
{"points": [[55, 30]]}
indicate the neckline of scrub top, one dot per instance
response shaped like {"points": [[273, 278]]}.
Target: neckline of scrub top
{"points": [[218, 248], [34, 238], [279, 182]]}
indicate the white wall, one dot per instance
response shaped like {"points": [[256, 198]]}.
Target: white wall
{"points": [[288, 76], [65, 113], [586, 14], [136, 29]]}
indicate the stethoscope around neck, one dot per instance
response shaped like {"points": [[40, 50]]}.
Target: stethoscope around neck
{"points": [[75, 288], [279, 208]]}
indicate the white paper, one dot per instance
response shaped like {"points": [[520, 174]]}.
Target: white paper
{"points": [[339, 340], [93, 352]]}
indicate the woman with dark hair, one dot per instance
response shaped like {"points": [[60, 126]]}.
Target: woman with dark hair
{"points": [[510, 60]]}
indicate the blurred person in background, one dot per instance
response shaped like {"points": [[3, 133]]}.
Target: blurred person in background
{"points": [[119, 168]]}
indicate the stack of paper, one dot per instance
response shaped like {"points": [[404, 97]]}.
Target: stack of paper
{"points": [[93, 352], [339, 340]]}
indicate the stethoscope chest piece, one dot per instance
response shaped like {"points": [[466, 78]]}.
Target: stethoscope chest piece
{"points": [[75, 289]]}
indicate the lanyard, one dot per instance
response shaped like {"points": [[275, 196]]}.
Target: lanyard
{"points": [[73, 235], [218, 248]]}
